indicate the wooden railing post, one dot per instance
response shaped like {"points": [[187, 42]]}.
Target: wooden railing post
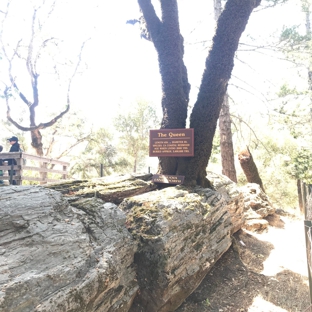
{"points": [[308, 232], [18, 171], [43, 174], [11, 173], [305, 198], [64, 175], [300, 198]]}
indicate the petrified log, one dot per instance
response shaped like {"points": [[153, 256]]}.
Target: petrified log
{"points": [[235, 199], [181, 234], [54, 257], [109, 189], [257, 206], [74, 253]]}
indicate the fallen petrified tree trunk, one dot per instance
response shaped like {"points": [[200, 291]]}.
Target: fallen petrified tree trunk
{"points": [[181, 234], [109, 189], [75, 253], [54, 257], [257, 207]]}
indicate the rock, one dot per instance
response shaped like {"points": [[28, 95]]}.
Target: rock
{"points": [[110, 189], [55, 257], [256, 225], [281, 212], [257, 206], [257, 200], [181, 234], [252, 215]]}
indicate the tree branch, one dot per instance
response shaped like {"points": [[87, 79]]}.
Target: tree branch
{"points": [[74, 73], [49, 149], [21, 95], [151, 19], [41, 125], [42, 46], [253, 132], [72, 146]]}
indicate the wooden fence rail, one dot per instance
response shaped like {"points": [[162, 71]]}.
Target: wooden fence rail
{"points": [[305, 203], [32, 168]]}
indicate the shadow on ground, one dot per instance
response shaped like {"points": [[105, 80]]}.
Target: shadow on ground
{"points": [[236, 284]]}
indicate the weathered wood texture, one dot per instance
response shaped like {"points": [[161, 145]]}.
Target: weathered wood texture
{"points": [[109, 189], [257, 207], [249, 167], [235, 199], [181, 234], [54, 257], [77, 252]]}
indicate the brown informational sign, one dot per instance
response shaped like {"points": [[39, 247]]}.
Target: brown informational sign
{"points": [[169, 179], [171, 143]]}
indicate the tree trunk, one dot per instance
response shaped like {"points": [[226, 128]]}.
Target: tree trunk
{"points": [[249, 167], [36, 141], [300, 196], [165, 34], [168, 41], [219, 65], [226, 142]]}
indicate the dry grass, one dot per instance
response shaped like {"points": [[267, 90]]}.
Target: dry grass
{"points": [[261, 272]]}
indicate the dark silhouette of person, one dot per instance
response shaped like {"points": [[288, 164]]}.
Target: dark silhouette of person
{"points": [[15, 147]]}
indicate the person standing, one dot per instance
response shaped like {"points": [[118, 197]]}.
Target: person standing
{"points": [[15, 147]]}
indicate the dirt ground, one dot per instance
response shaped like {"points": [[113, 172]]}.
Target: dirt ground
{"points": [[261, 272]]}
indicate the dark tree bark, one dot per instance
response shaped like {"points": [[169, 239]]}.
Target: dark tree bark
{"points": [[300, 195], [226, 142], [249, 167], [219, 66], [168, 42], [165, 34]]}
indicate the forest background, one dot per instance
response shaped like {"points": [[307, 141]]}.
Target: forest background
{"points": [[115, 86]]}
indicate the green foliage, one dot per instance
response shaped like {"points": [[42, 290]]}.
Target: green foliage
{"points": [[99, 150], [293, 111], [275, 2], [67, 134], [280, 164], [274, 158], [216, 152], [134, 127], [301, 167], [286, 90], [292, 37], [206, 302]]}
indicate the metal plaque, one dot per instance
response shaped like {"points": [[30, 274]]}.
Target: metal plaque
{"points": [[168, 179], [171, 143]]}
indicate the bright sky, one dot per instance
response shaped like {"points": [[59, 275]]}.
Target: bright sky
{"points": [[118, 66]]}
